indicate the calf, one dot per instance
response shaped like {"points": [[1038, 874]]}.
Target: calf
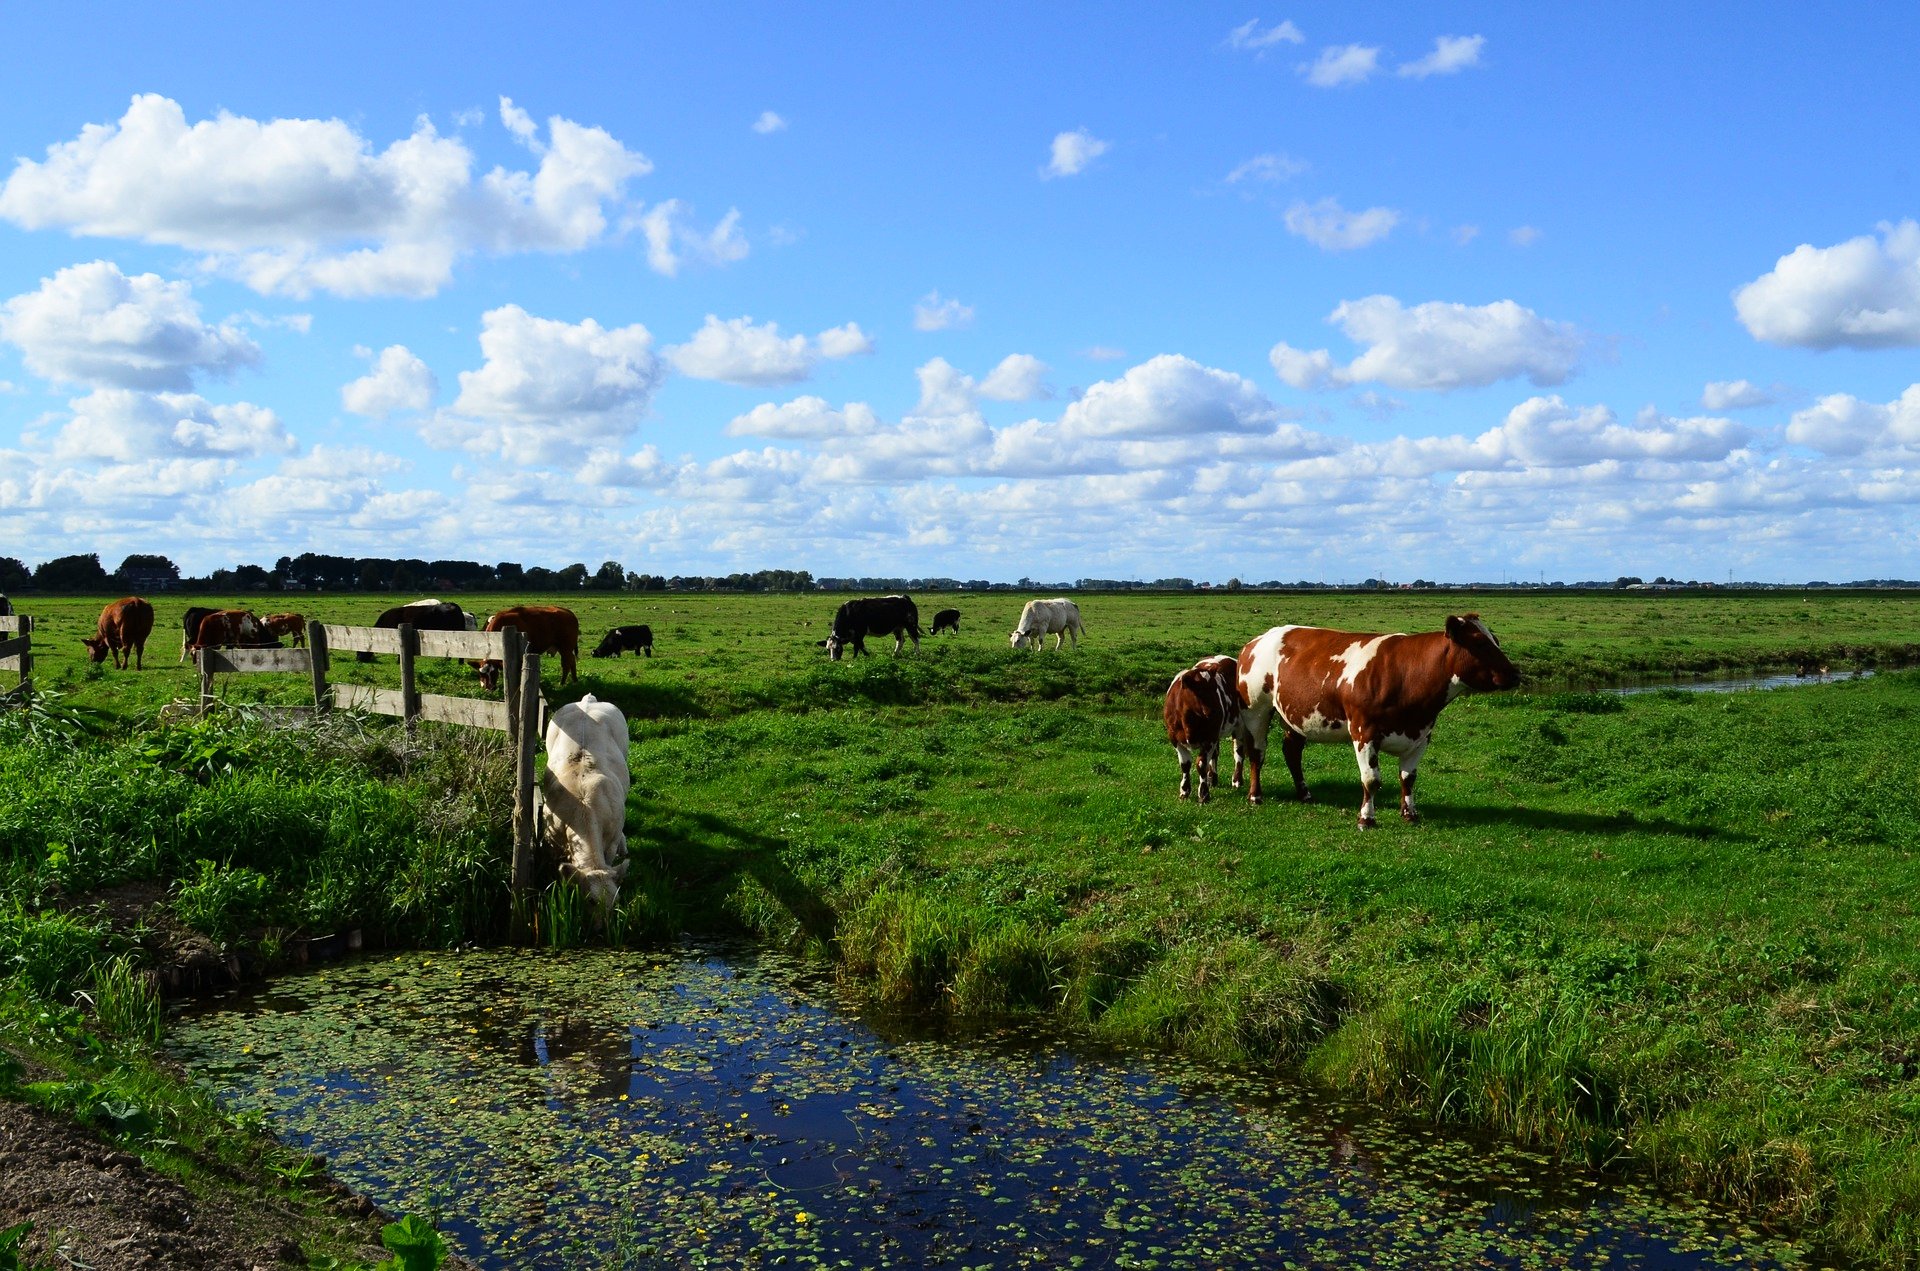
{"points": [[123, 631], [584, 796], [1377, 692], [287, 624], [1058, 618], [548, 629], [855, 620], [190, 626], [1203, 705], [227, 628], [946, 620], [636, 639]]}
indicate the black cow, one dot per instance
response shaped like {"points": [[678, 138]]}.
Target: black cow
{"points": [[190, 627], [946, 620], [6, 607], [422, 615], [634, 639], [854, 621]]}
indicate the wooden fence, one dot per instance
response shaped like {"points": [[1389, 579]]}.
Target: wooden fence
{"points": [[520, 712], [16, 651]]}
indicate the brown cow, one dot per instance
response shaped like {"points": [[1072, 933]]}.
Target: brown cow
{"points": [[287, 624], [1377, 692], [226, 628], [1203, 706], [123, 631], [548, 629]]}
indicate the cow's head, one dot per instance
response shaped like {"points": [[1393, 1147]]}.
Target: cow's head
{"points": [[489, 675], [96, 649], [834, 646], [1017, 640], [1478, 662], [605, 648]]}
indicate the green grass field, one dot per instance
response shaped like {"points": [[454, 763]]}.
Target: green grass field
{"points": [[1674, 932]]}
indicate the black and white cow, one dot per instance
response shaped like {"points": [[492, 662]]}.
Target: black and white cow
{"points": [[634, 639], [854, 621], [946, 620], [423, 615]]}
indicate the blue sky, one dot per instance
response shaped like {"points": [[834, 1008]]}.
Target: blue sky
{"points": [[1300, 292]]}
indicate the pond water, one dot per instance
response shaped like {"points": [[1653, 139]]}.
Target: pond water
{"points": [[729, 1107], [1738, 683]]}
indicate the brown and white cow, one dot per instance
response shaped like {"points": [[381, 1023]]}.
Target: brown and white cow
{"points": [[228, 628], [1375, 692], [548, 628], [287, 624], [123, 631], [1203, 706]]}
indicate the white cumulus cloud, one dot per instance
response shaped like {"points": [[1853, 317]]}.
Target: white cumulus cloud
{"points": [[769, 122], [805, 418], [737, 351], [1250, 37], [1451, 55], [300, 205], [671, 240], [934, 313], [549, 390], [1342, 64], [1436, 346], [1733, 395], [398, 381], [1332, 228], [124, 425], [1842, 424], [1072, 152], [91, 324], [1267, 167], [1861, 294], [1020, 377]]}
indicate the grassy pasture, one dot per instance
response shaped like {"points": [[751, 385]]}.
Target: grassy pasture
{"points": [[1675, 931]]}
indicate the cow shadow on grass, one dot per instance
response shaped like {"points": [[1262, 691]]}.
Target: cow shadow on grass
{"points": [[700, 859], [1439, 812]]}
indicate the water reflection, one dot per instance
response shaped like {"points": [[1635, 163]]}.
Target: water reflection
{"points": [[609, 1108]]}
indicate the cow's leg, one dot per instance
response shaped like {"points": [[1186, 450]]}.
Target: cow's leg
{"points": [[1186, 768], [1209, 769], [1409, 762], [1254, 728], [1367, 754], [140, 656], [899, 641], [1291, 748]]}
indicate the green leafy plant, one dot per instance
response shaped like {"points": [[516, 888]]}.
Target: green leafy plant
{"points": [[11, 1238], [414, 1244], [223, 902]]}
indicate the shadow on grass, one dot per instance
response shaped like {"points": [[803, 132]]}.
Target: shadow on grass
{"points": [[1441, 813], [703, 857]]}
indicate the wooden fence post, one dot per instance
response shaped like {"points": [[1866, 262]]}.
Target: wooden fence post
{"points": [[206, 678], [510, 675], [526, 749], [26, 662], [409, 691], [317, 657]]}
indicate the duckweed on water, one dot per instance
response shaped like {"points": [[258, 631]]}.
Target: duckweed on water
{"points": [[605, 1108]]}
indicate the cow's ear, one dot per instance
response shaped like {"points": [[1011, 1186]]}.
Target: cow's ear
{"points": [[1457, 629]]}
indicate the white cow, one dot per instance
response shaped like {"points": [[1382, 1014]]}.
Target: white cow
{"points": [[585, 791], [1042, 618]]}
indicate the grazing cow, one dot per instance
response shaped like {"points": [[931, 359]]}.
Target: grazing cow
{"points": [[946, 620], [6, 607], [227, 628], [190, 626], [123, 631], [1042, 618], [855, 620], [423, 615], [548, 629], [1203, 706], [1377, 692], [287, 624], [635, 639], [584, 817]]}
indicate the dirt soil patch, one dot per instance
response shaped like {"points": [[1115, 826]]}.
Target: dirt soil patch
{"points": [[96, 1206]]}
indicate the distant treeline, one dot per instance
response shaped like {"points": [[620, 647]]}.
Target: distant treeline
{"points": [[313, 571]]}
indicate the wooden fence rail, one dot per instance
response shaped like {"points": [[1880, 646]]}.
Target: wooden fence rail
{"points": [[16, 651], [520, 701]]}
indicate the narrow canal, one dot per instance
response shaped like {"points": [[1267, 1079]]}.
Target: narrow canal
{"points": [[728, 1107]]}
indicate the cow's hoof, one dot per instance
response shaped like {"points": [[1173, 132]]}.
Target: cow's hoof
{"points": [[1302, 796], [1253, 800], [1368, 823], [1411, 818]]}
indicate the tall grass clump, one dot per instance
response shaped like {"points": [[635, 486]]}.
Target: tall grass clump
{"points": [[126, 1002]]}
